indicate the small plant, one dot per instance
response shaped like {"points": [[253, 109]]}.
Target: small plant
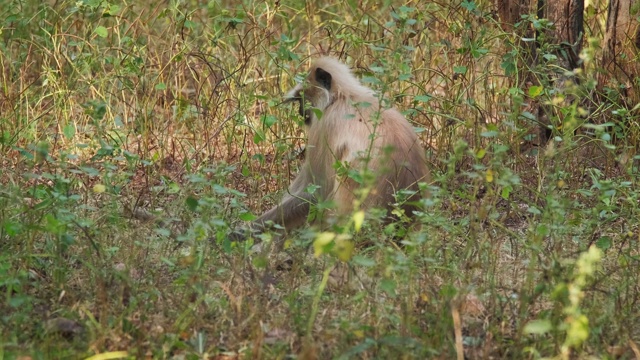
{"points": [[134, 139]]}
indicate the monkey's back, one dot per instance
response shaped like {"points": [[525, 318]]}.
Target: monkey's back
{"points": [[366, 138]]}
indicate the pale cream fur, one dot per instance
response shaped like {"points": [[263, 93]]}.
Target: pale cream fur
{"points": [[355, 130]]}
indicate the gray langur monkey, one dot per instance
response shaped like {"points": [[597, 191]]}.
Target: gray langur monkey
{"points": [[352, 133]]}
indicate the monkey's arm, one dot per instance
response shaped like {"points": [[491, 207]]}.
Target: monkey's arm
{"points": [[291, 213], [294, 208]]}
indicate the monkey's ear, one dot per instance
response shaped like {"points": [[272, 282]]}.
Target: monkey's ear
{"points": [[323, 78]]}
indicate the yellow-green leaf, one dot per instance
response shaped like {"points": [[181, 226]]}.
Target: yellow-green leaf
{"points": [[537, 327], [489, 175], [109, 355], [343, 248], [320, 244], [358, 219], [578, 331], [535, 91]]}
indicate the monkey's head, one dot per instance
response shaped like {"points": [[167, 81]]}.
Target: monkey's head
{"points": [[328, 81], [313, 93]]}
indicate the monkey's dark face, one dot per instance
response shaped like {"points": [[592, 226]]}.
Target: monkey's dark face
{"points": [[304, 106], [304, 109], [313, 93]]}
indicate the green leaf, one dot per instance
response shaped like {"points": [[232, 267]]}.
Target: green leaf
{"points": [[69, 131], [12, 228], [192, 203], [269, 120], [112, 10], [460, 69], [506, 191], [162, 232], [534, 210], [18, 300], [423, 98], [260, 262], [489, 134], [90, 171], [509, 67], [527, 115], [476, 53], [247, 216], [538, 327], [363, 261], [101, 31], [469, 5], [5, 137], [317, 112], [604, 243], [388, 286], [189, 24], [258, 137]]}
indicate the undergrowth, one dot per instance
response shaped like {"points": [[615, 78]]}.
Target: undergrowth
{"points": [[135, 136]]}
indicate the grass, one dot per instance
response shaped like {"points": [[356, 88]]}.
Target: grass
{"points": [[133, 133]]}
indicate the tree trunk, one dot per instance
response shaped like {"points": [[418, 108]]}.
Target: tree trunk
{"points": [[509, 11], [566, 15], [621, 49], [568, 30], [565, 35]]}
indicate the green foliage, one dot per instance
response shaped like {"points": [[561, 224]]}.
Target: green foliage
{"points": [[134, 137]]}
